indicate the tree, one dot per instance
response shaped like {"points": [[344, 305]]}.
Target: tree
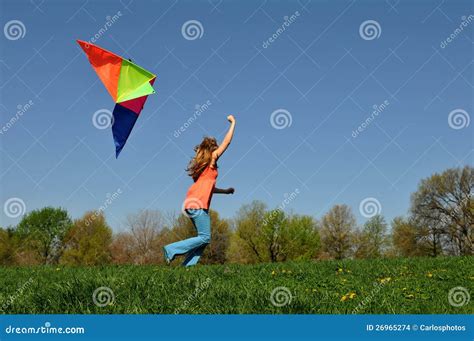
{"points": [[405, 241], [42, 231], [272, 236], [372, 241], [442, 208], [145, 228], [300, 238], [336, 231], [289, 236], [123, 248], [87, 242], [245, 246], [7, 246]]}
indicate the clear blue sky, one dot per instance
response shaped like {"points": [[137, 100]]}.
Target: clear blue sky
{"points": [[320, 70]]}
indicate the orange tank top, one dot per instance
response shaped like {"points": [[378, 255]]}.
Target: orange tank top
{"points": [[200, 193]]}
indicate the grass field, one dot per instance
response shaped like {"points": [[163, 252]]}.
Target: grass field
{"points": [[391, 286]]}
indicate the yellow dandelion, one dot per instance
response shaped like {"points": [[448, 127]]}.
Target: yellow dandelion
{"points": [[339, 270], [352, 295], [273, 273], [429, 274], [344, 298]]}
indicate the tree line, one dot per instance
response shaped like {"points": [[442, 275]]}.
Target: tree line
{"points": [[440, 222]]}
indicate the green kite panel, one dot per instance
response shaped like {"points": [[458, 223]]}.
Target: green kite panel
{"points": [[144, 90], [133, 82]]}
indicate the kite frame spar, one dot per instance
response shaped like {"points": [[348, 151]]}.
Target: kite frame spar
{"points": [[127, 83]]}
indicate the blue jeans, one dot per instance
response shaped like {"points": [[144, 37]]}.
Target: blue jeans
{"points": [[192, 247]]}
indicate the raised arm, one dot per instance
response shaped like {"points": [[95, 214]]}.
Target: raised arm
{"points": [[227, 139]]}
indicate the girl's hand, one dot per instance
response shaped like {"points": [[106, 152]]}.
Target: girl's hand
{"points": [[230, 190], [231, 118]]}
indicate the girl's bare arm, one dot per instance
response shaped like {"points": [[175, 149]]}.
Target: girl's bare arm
{"points": [[227, 139]]}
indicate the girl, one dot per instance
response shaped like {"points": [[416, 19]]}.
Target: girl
{"points": [[203, 169]]}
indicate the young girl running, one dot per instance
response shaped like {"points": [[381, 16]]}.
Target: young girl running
{"points": [[203, 169]]}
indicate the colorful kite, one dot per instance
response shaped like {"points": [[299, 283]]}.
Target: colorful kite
{"points": [[127, 83]]}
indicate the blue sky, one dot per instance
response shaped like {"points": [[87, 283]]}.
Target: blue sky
{"points": [[323, 73]]}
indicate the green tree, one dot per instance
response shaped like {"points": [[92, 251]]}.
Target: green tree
{"points": [[245, 246], [272, 236], [88, 241], [300, 238], [442, 208], [337, 231], [289, 236], [271, 239], [42, 231], [372, 241]]}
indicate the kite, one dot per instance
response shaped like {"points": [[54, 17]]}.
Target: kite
{"points": [[127, 83]]}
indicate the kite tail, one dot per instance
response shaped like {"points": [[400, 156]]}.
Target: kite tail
{"points": [[124, 120]]}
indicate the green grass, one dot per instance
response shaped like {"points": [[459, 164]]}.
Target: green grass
{"points": [[417, 286]]}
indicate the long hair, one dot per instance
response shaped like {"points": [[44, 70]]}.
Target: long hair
{"points": [[203, 157]]}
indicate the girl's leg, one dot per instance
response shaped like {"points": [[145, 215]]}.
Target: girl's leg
{"points": [[193, 257], [202, 223]]}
